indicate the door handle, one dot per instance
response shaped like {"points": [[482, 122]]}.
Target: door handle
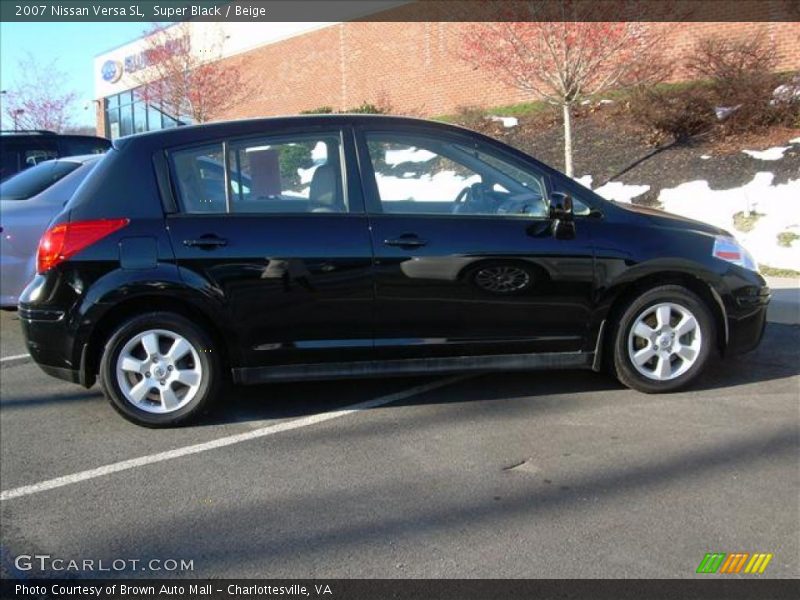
{"points": [[206, 242], [406, 241]]}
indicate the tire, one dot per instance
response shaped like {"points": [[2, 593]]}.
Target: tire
{"points": [[153, 381], [669, 357]]}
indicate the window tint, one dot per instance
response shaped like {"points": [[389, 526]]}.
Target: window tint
{"points": [[200, 179], [295, 174], [417, 174], [32, 181]]}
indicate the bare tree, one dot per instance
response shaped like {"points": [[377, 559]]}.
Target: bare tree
{"points": [[186, 81], [565, 61], [38, 100]]}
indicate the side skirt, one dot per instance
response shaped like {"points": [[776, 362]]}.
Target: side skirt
{"points": [[414, 366]]}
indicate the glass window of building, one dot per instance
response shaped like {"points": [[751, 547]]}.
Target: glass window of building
{"points": [[128, 113]]}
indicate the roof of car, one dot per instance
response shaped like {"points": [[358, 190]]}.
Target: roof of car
{"points": [[190, 133]]}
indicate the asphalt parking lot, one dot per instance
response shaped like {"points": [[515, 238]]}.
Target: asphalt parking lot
{"points": [[549, 474]]}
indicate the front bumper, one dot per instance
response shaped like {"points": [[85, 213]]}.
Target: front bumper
{"points": [[747, 318]]}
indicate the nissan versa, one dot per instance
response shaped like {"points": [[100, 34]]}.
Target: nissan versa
{"points": [[327, 246]]}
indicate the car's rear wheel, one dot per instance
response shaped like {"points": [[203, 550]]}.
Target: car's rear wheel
{"points": [[664, 339], [159, 370]]}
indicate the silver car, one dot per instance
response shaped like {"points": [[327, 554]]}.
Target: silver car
{"points": [[28, 202]]}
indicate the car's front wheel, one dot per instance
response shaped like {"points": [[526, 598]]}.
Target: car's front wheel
{"points": [[664, 339], [159, 370]]}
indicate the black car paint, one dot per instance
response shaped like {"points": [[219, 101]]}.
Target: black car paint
{"points": [[337, 292]]}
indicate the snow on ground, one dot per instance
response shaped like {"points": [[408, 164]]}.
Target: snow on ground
{"points": [[723, 112], [614, 190], [705, 156], [779, 205], [621, 192], [585, 181], [775, 153], [507, 122]]}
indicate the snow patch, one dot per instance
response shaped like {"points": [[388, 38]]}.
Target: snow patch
{"points": [[585, 181], [777, 204], [788, 92], [705, 156], [775, 153], [795, 141], [621, 192], [723, 112], [507, 122]]}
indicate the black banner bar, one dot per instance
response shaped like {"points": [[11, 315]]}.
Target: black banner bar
{"points": [[716, 588], [398, 10]]}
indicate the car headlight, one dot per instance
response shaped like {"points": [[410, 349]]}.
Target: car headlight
{"points": [[727, 248]]}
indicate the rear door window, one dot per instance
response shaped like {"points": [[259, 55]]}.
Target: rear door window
{"points": [[299, 173]]}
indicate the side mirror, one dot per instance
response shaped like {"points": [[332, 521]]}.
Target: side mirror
{"points": [[561, 207], [562, 216]]}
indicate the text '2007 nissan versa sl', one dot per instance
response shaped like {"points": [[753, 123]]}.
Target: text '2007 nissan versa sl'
{"points": [[324, 246]]}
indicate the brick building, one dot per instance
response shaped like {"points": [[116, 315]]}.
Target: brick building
{"points": [[412, 66]]}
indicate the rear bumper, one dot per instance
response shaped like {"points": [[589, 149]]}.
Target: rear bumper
{"points": [[52, 346], [71, 375]]}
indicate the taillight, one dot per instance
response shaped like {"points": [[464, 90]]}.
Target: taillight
{"points": [[67, 239]]}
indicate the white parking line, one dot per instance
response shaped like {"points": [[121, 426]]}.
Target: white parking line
{"points": [[27, 490], [15, 357]]}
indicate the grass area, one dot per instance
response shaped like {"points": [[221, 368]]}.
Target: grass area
{"points": [[773, 272], [538, 107], [785, 238], [523, 109], [745, 222]]}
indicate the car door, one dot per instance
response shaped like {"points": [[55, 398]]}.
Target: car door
{"points": [[270, 229], [467, 260]]}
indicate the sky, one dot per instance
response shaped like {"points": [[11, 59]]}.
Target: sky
{"points": [[72, 45]]}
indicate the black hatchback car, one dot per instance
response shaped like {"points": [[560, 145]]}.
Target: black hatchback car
{"points": [[345, 246]]}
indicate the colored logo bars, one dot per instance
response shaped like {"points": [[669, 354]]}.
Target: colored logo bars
{"points": [[734, 563]]}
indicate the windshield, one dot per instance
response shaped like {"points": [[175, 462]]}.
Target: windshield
{"points": [[35, 180]]}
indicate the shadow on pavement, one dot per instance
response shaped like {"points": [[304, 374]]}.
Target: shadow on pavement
{"points": [[263, 532], [778, 357]]}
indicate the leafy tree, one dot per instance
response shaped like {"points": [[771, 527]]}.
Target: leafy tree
{"points": [[188, 82], [38, 100], [566, 60]]}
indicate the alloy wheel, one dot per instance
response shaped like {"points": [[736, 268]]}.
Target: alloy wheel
{"points": [[664, 341], [159, 371]]}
